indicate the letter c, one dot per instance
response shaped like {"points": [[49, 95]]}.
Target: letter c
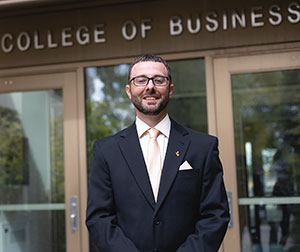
{"points": [[7, 48]]}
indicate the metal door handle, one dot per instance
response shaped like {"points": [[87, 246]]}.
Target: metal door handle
{"points": [[229, 198], [73, 213]]}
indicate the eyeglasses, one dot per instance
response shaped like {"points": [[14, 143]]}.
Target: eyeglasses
{"points": [[157, 80]]}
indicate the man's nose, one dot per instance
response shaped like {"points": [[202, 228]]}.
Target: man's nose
{"points": [[150, 84]]}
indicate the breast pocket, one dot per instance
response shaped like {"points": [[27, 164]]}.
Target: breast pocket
{"points": [[187, 184], [188, 173]]}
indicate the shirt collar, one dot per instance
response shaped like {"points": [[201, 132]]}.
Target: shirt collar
{"points": [[163, 126]]}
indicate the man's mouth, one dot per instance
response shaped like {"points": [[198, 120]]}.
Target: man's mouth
{"points": [[150, 98]]}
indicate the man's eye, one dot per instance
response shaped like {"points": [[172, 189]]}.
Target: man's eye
{"points": [[140, 80], [159, 80]]}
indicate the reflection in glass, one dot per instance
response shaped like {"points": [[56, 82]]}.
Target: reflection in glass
{"points": [[266, 109], [32, 206], [108, 109], [188, 103]]}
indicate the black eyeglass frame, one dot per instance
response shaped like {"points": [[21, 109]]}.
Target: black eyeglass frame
{"points": [[152, 78]]}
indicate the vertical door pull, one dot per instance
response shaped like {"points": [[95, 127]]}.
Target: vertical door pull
{"points": [[73, 213], [229, 198]]}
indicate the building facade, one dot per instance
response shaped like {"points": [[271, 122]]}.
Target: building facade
{"points": [[63, 70]]}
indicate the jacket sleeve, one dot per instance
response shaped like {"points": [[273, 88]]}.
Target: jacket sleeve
{"points": [[101, 219], [214, 211]]}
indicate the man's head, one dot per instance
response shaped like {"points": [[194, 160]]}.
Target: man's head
{"points": [[149, 85]]}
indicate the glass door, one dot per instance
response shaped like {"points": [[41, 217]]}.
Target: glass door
{"points": [[38, 167], [258, 111]]}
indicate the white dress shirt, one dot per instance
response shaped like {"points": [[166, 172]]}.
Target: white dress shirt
{"points": [[164, 126]]}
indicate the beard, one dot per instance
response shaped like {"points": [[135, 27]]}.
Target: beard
{"points": [[150, 109]]}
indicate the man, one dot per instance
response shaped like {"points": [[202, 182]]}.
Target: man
{"points": [[179, 203]]}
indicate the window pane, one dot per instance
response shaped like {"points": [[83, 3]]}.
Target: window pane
{"points": [[32, 205], [108, 109], [266, 110], [188, 103]]}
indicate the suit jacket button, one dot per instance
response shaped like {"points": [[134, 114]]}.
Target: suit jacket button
{"points": [[156, 221], [155, 250]]}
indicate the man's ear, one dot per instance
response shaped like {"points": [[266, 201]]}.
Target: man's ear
{"points": [[171, 89], [127, 89]]}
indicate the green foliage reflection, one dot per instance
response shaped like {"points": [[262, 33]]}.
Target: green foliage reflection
{"points": [[12, 162], [108, 109]]}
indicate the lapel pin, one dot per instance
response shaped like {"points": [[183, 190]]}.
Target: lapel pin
{"points": [[177, 153]]}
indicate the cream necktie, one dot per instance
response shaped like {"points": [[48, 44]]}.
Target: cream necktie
{"points": [[154, 161]]}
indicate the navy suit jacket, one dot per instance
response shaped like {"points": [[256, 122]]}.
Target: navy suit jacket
{"points": [[191, 213]]}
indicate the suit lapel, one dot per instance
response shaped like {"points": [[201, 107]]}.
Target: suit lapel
{"points": [[132, 153], [177, 147]]}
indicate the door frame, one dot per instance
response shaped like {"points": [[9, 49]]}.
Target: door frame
{"points": [[223, 68], [74, 177]]}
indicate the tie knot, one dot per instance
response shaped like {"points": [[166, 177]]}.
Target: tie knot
{"points": [[153, 133]]}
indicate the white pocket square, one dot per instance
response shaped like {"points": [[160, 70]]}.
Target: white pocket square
{"points": [[185, 166]]}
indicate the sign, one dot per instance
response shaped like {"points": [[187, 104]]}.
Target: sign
{"points": [[158, 27]]}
